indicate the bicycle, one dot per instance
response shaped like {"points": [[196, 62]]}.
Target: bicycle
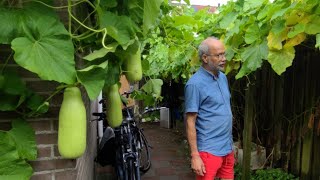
{"points": [[131, 148]]}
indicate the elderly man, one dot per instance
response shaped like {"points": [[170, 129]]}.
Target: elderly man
{"points": [[209, 116]]}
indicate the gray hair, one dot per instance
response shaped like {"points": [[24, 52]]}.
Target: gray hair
{"points": [[204, 48]]}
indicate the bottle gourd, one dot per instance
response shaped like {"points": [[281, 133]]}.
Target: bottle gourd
{"points": [[133, 68], [72, 124], [114, 107]]}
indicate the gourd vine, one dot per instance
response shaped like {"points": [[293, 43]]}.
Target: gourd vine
{"points": [[49, 48]]}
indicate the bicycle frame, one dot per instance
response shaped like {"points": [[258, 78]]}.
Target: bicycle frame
{"points": [[130, 144], [127, 151]]}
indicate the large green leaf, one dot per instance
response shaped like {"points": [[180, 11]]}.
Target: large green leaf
{"points": [[252, 34], [101, 52], [13, 84], [277, 35], [275, 41], [297, 29], [313, 27], [253, 57], [34, 101], [278, 27], [16, 170], [9, 20], [46, 49], [8, 150], [153, 86], [24, 137], [13, 92], [228, 19], [113, 73], [120, 28], [281, 59], [186, 21], [281, 11], [11, 166], [234, 29], [135, 9], [93, 78], [269, 10], [8, 102], [151, 12], [298, 39], [252, 4]]}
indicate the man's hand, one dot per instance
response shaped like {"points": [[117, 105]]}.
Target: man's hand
{"points": [[198, 166]]}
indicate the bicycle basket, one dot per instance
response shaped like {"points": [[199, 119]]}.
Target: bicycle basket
{"points": [[106, 151]]}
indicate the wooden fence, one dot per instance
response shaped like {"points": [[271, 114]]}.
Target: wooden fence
{"points": [[286, 113]]}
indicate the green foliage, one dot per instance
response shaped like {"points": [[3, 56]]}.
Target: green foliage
{"points": [[16, 97], [254, 32], [265, 174], [272, 28], [150, 92], [93, 78], [42, 44], [171, 49], [272, 174], [38, 39], [16, 147]]}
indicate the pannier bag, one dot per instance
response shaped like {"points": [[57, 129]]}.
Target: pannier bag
{"points": [[106, 150]]}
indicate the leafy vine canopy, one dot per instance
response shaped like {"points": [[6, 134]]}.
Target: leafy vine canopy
{"points": [[110, 32], [254, 32]]}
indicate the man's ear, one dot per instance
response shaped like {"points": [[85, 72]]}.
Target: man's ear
{"points": [[205, 58]]}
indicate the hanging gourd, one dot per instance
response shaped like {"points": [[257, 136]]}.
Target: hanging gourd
{"points": [[114, 106], [132, 67], [72, 130]]}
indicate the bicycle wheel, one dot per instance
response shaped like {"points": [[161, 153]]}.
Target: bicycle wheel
{"points": [[144, 154]]}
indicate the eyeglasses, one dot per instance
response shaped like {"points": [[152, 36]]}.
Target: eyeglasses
{"points": [[220, 56]]}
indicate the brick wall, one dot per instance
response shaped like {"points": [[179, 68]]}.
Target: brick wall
{"points": [[49, 165]]}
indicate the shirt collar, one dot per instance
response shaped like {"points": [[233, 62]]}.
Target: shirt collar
{"points": [[208, 73]]}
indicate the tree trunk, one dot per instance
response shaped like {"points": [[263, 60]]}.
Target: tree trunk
{"points": [[307, 135], [278, 107], [247, 132]]}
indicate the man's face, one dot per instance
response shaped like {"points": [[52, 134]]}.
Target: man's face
{"points": [[216, 60]]}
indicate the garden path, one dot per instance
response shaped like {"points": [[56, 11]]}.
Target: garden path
{"points": [[169, 155]]}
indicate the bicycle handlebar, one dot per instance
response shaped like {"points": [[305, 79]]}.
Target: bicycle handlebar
{"points": [[126, 93], [101, 116], [152, 109]]}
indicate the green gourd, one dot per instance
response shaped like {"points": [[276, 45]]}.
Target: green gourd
{"points": [[114, 106], [133, 68], [72, 130]]}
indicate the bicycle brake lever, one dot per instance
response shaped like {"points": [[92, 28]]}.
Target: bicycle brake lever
{"points": [[101, 101]]}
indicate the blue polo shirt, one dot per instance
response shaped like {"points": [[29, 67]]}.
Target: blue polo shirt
{"points": [[209, 97]]}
